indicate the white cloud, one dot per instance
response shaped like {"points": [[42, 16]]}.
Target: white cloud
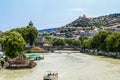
{"points": [[78, 9], [81, 11]]}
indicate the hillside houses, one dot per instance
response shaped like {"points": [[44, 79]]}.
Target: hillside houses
{"points": [[71, 32], [84, 26]]}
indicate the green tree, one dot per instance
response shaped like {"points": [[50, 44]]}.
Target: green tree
{"points": [[58, 42], [82, 38], [87, 43], [113, 42], [98, 24], [68, 34], [29, 33], [12, 43], [32, 34], [75, 42], [68, 42], [99, 40], [23, 31], [50, 39]]}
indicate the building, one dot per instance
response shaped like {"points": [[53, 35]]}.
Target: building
{"points": [[40, 39], [30, 23], [84, 16]]}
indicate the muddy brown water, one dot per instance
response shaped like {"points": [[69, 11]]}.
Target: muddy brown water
{"points": [[70, 65]]}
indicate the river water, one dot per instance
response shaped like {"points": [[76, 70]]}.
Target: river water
{"points": [[71, 65]]}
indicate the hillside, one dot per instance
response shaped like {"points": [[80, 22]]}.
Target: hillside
{"points": [[47, 30], [84, 26], [102, 21]]}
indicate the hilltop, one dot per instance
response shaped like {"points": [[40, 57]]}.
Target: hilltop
{"points": [[101, 21], [84, 26]]}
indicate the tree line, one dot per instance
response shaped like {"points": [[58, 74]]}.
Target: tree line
{"points": [[104, 40], [62, 41]]}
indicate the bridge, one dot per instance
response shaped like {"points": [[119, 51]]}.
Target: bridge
{"points": [[53, 48]]}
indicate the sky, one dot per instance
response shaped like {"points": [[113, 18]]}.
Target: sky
{"points": [[51, 13]]}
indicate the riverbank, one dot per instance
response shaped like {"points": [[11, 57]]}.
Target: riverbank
{"points": [[70, 66]]}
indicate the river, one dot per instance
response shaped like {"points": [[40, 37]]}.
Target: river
{"points": [[71, 65]]}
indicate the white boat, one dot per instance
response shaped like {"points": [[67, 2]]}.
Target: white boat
{"points": [[51, 75]]}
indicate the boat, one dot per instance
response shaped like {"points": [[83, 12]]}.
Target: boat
{"points": [[51, 75], [35, 57], [20, 62]]}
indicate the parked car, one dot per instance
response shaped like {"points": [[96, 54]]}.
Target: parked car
{"points": [[101, 52]]}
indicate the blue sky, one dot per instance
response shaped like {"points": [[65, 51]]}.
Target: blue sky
{"points": [[51, 13]]}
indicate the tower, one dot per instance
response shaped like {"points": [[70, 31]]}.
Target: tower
{"points": [[30, 23], [84, 16]]}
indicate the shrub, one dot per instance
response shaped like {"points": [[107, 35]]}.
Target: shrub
{"points": [[28, 51]]}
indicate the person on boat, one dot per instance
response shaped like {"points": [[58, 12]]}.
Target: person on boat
{"points": [[56, 75], [50, 74], [53, 74]]}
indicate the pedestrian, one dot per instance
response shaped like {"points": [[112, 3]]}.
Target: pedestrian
{"points": [[2, 63]]}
